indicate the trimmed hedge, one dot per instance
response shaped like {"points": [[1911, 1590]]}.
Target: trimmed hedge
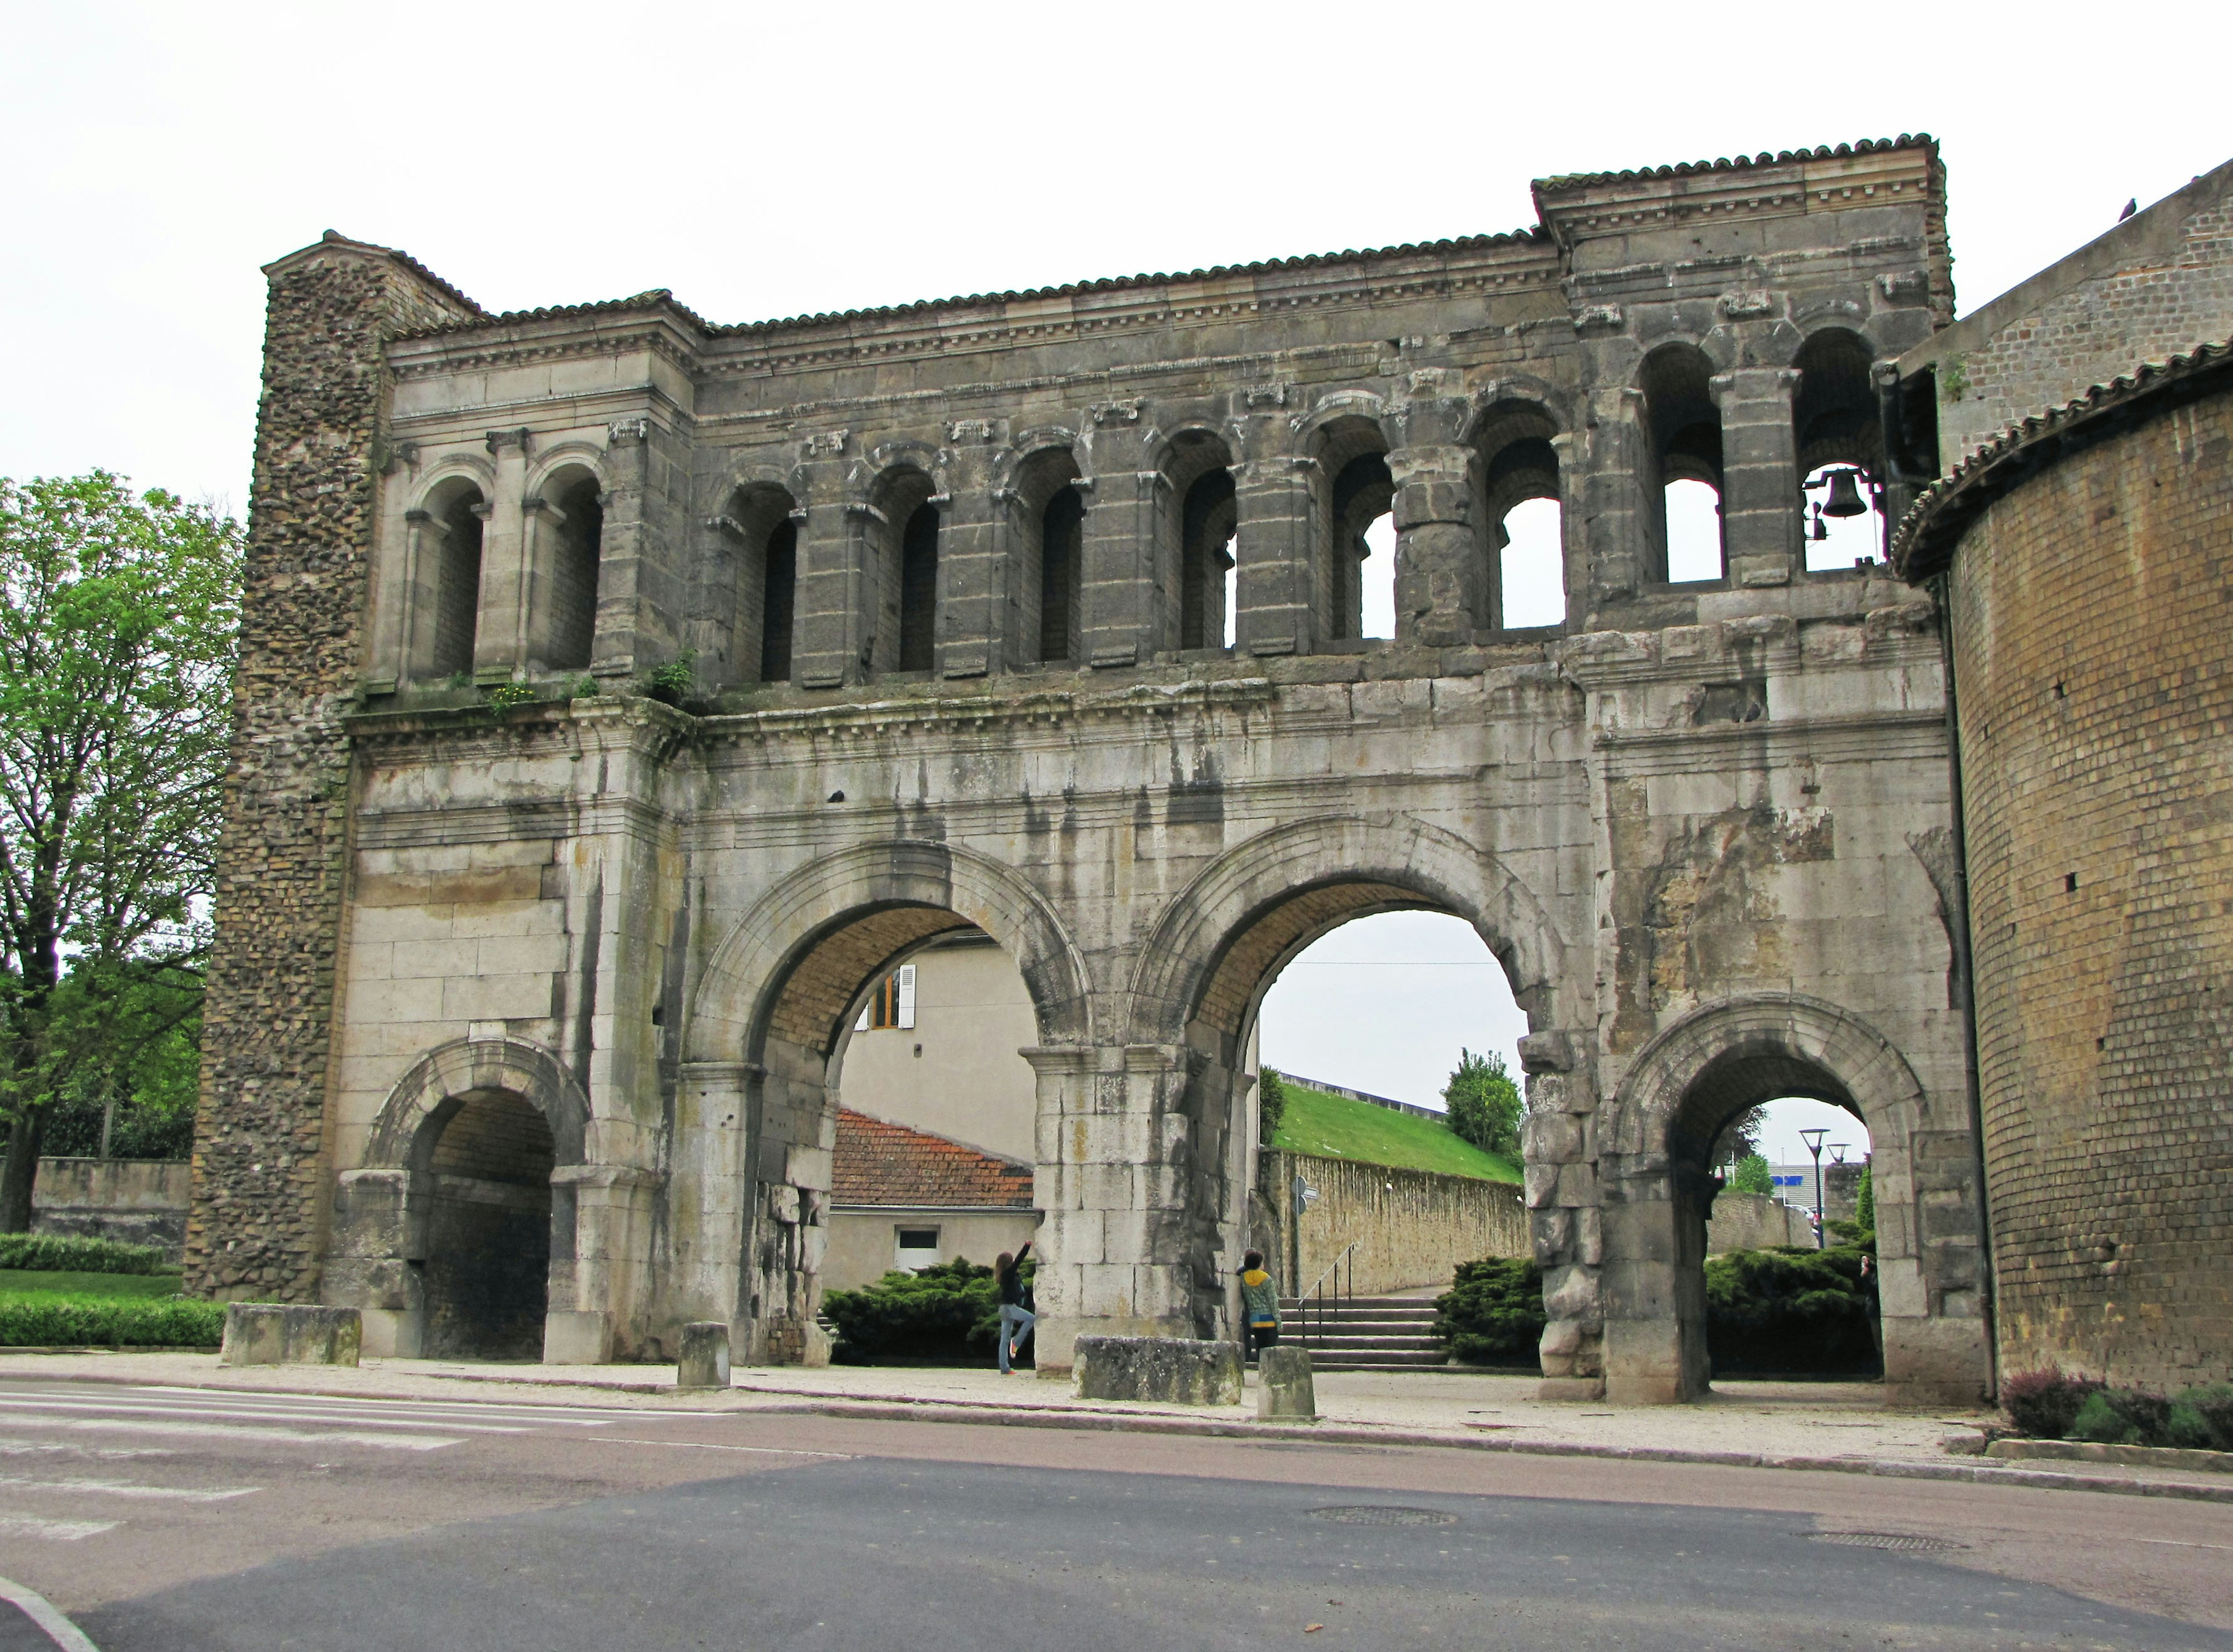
{"points": [[1791, 1310], [63, 1253], [2049, 1405], [1493, 1312], [87, 1322], [949, 1312]]}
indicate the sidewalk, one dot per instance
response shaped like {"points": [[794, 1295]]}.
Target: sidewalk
{"points": [[1835, 1426]]}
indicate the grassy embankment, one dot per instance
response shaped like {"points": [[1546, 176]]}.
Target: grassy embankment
{"points": [[102, 1295], [1334, 1127]]}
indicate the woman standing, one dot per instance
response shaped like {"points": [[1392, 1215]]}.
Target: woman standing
{"points": [[1016, 1318], [1259, 1303]]}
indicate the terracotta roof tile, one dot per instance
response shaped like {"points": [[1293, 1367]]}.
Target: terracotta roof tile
{"points": [[888, 1164]]}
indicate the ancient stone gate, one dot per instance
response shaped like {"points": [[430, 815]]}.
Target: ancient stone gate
{"points": [[625, 694]]}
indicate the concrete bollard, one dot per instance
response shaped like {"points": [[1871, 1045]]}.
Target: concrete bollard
{"points": [[270, 1333], [1177, 1370], [1285, 1392], [705, 1360]]}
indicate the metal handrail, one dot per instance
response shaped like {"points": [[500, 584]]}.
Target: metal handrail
{"points": [[1325, 1300]]}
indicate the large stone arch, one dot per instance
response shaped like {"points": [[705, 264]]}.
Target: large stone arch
{"points": [[763, 1043], [1652, 1137], [1394, 862]]}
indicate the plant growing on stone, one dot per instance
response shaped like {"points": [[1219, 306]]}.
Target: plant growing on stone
{"points": [[1484, 1104], [118, 624]]}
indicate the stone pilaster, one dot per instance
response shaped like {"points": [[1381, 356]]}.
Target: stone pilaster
{"points": [[1131, 553], [1761, 515], [1275, 535], [633, 560], [828, 629], [1440, 562], [1607, 491], [500, 642], [262, 1170], [978, 616]]}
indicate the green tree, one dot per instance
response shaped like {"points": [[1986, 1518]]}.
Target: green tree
{"points": [[118, 623], [1271, 1105], [1484, 1104], [1864, 1201], [1752, 1176]]}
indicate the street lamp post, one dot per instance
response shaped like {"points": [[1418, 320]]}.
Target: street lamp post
{"points": [[1813, 1139]]}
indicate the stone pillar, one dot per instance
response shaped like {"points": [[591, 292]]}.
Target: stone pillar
{"points": [[1275, 508], [831, 593], [1565, 1215], [708, 1196], [1572, 448], [1129, 568], [1606, 492], [614, 1213], [500, 642], [262, 1165], [407, 648], [1113, 1139], [629, 632], [1761, 515], [977, 615], [1441, 563]]}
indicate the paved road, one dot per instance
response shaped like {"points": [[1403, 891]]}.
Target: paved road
{"points": [[176, 1520]]}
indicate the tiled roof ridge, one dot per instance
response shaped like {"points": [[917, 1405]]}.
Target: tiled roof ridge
{"points": [[1976, 471], [1531, 234], [396, 254], [1739, 163]]}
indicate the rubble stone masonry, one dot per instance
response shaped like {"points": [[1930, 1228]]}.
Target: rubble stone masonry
{"points": [[259, 1174]]}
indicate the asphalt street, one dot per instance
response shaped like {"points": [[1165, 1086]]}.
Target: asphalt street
{"points": [[176, 1520]]}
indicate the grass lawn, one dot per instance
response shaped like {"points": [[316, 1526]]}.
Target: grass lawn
{"points": [[18, 1284], [1335, 1128]]}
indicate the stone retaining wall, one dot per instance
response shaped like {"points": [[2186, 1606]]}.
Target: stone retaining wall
{"points": [[136, 1201], [1412, 1227]]}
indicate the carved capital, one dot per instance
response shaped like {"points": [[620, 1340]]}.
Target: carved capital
{"points": [[1590, 315], [1906, 287], [1743, 306], [823, 443], [1111, 413], [523, 438], [637, 429], [976, 432], [1260, 397]]}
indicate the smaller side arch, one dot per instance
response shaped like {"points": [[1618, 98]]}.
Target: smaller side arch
{"points": [[553, 462], [464, 1066], [471, 466]]}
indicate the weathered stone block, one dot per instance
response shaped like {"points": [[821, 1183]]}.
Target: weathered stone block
{"points": [[577, 1339], [1174, 1370], [258, 1333], [1285, 1392], [703, 1360]]}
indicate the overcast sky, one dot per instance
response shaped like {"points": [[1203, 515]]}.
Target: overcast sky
{"points": [[765, 162]]}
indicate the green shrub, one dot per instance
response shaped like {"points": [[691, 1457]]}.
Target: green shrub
{"points": [[2121, 1417], [2212, 1406], [1484, 1105], [1752, 1175], [950, 1311], [2044, 1403], [2049, 1405], [63, 1253], [1492, 1313], [1864, 1198], [1790, 1309], [1271, 1104], [64, 1322]]}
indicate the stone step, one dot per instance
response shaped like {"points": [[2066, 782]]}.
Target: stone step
{"points": [[1330, 1360]]}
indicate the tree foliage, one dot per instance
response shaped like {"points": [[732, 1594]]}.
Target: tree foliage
{"points": [[1271, 1105], [1752, 1175], [1864, 1200], [118, 621], [1484, 1104]]}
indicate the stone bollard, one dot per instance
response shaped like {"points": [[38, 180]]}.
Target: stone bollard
{"points": [[1177, 1370], [705, 1360], [270, 1333], [1285, 1392]]}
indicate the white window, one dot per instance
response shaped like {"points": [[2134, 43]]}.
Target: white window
{"points": [[916, 1247], [892, 1005]]}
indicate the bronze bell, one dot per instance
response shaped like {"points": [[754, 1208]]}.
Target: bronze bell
{"points": [[1844, 499]]}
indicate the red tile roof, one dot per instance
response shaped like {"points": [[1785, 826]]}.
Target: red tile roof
{"points": [[888, 1164]]}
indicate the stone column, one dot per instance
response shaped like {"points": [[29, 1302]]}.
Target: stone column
{"points": [[1441, 560], [630, 560], [1606, 491], [500, 640], [411, 618], [614, 1219], [1572, 448], [976, 583], [1564, 1210], [1129, 564], [1113, 1140], [829, 614], [541, 523], [1275, 537], [708, 1196], [1761, 519]]}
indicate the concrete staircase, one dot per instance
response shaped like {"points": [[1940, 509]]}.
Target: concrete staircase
{"points": [[1365, 1333]]}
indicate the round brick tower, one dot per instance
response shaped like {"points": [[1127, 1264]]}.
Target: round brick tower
{"points": [[2085, 560]]}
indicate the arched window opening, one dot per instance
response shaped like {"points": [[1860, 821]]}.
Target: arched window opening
{"points": [[489, 1230], [779, 602], [1745, 1187], [455, 588], [1205, 561], [1838, 434], [919, 590], [572, 613], [1519, 489], [1682, 466], [1361, 570], [1062, 552], [902, 550]]}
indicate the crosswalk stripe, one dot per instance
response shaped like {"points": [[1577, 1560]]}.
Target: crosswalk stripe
{"points": [[239, 1431], [577, 1416], [10, 1448], [31, 1526], [10, 1402], [129, 1488]]}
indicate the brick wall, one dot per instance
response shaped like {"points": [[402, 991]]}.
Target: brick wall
{"points": [[260, 1174], [2094, 667]]}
